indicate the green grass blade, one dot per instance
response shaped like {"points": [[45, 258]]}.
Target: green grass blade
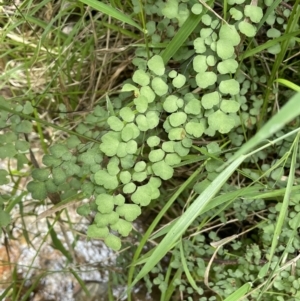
{"points": [[181, 36], [57, 244], [286, 199], [187, 218], [239, 293], [81, 282], [186, 269], [268, 44], [288, 112], [110, 11], [288, 83]]}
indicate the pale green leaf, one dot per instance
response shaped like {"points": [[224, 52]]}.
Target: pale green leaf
{"points": [[229, 33], [58, 150], [141, 103], [159, 86], [199, 63], [129, 188], [96, 232], [170, 104], [129, 87], [221, 122], [236, 14], [115, 123], [22, 145], [40, 174], [141, 77], [153, 141], [199, 45], [105, 203], [168, 146], [103, 178], [140, 166], [247, 29], [172, 159], [127, 114], [152, 119], [125, 177], [193, 107], [206, 79], [59, 176], [156, 65], [176, 134], [177, 119], [130, 212], [139, 176], [163, 170], [113, 242], [230, 86], [148, 92], [179, 81], [131, 147], [110, 143], [195, 129], [105, 219], [170, 10], [273, 33], [113, 166], [225, 49], [156, 155], [229, 106], [228, 66], [253, 12], [122, 226], [210, 99], [197, 8]]}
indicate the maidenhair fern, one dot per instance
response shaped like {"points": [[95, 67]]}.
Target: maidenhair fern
{"points": [[141, 140]]}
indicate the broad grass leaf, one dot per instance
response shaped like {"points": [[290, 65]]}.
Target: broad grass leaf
{"points": [[110, 11]]}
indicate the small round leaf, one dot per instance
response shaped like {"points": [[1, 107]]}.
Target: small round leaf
{"points": [[230, 86], [159, 86], [225, 49], [113, 242], [178, 118], [163, 170], [255, 13], [141, 77], [206, 79], [247, 29], [115, 123], [156, 155], [156, 65], [179, 81], [129, 211], [95, 232]]}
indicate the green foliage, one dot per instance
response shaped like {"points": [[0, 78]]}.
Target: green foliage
{"points": [[197, 93]]}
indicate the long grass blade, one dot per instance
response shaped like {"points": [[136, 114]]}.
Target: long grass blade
{"points": [[110, 11]]}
